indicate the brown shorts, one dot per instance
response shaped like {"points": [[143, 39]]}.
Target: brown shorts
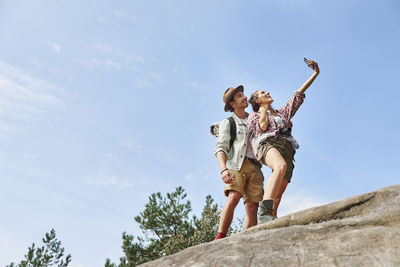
{"points": [[248, 181], [284, 147]]}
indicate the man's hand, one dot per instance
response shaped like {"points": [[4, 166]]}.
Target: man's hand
{"points": [[227, 176]]}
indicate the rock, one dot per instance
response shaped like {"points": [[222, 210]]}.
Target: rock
{"points": [[362, 230]]}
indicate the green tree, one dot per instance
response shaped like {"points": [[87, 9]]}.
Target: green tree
{"points": [[167, 228], [50, 254], [207, 225]]}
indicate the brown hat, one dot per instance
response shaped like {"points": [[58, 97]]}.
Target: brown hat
{"points": [[228, 95]]}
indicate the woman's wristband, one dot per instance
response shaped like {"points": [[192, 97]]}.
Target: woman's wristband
{"points": [[224, 170]]}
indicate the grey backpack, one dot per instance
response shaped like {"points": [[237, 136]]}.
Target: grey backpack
{"points": [[214, 129]]}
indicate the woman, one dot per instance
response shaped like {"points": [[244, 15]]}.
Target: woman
{"points": [[273, 143]]}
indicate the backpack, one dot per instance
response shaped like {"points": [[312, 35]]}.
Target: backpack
{"points": [[214, 128]]}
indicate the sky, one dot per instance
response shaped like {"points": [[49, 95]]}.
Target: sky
{"points": [[103, 103]]}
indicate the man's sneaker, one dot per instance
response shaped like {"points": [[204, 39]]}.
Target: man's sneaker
{"points": [[265, 211], [220, 235]]}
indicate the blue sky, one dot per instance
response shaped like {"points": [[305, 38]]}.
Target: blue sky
{"points": [[104, 102]]}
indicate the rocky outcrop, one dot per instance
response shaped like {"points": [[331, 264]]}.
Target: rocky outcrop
{"points": [[357, 231]]}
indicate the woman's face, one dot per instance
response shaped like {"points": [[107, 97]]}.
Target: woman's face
{"points": [[264, 97]]}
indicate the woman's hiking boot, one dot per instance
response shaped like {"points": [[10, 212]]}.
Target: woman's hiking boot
{"points": [[265, 211]]}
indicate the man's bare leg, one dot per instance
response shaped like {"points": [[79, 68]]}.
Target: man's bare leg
{"points": [[251, 214], [228, 211]]}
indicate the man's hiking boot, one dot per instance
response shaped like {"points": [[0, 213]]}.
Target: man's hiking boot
{"points": [[265, 211]]}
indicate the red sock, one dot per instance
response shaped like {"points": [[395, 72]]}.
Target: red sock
{"points": [[220, 235]]}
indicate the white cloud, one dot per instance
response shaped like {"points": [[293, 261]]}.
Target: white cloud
{"points": [[167, 156], [31, 156], [296, 199], [54, 46], [108, 50], [142, 83], [107, 64], [103, 48], [192, 84], [120, 13], [131, 146], [4, 243], [113, 158], [103, 178], [139, 59], [10, 250], [24, 98], [201, 174], [196, 85], [121, 60], [7, 127], [154, 75], [36, 63]]}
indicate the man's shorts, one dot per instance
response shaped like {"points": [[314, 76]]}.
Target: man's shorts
{"points": [[284, 147], [248, 181]]}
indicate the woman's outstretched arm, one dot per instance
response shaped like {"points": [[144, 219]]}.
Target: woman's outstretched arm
{"points": [[307, 84]]}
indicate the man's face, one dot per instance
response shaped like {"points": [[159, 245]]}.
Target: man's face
{"points": [[239, 101]]}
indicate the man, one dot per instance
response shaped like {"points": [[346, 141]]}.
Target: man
{"points": [[239, 170]]}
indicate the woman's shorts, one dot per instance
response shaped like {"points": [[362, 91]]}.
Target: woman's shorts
{"points": [[284, 147]]}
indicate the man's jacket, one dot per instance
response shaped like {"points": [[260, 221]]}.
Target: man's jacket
{"points": [[236, 155]]}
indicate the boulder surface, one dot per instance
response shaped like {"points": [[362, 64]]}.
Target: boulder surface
{"points": [[363, 230]]}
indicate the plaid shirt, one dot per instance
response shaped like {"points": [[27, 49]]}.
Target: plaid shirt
{"points": [[286, 113]]}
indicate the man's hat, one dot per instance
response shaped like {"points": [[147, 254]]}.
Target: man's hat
{"points": [[228, 95]]}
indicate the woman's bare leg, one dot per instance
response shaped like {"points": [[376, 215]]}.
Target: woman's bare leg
{"points": [[282, 189], [276, 162]]}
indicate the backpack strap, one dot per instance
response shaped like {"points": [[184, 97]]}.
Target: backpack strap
{"points": [[232, 127]]}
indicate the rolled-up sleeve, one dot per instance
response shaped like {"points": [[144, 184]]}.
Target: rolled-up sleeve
{"points": [[292, 105], [224, 137]]}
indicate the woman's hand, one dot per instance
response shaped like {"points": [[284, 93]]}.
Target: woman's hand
{"points": [[314, 64], [304, 87]]}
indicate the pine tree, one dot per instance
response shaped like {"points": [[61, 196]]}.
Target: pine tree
{"points": [[50, 254], [167, 228]]}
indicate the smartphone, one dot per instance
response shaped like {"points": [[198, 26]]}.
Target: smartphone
{"points": [[310, 65]]}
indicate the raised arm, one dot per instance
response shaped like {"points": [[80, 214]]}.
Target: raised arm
{"points": [[307, 84]]}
